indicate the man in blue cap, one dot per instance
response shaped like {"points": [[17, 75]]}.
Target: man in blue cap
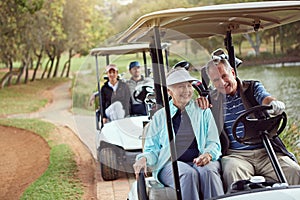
{"points": [[137, 83]]}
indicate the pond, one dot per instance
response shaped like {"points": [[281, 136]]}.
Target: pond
{"points": [[281, 82]]}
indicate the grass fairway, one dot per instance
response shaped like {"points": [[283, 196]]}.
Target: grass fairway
{"points": [[26, 98]]}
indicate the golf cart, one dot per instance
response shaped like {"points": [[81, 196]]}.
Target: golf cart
{"points": [[119, 141], [201, 22]]}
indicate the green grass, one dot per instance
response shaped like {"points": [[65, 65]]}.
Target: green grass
{"points": [[291, 138], [26, 98], [37, 126], [60, 180]]}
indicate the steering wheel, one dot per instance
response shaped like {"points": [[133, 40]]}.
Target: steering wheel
{"points": [[246, 185], [141, 92], [257, 121]]}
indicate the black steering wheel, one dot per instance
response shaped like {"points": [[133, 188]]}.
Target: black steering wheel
{"points": [[257, 121]]}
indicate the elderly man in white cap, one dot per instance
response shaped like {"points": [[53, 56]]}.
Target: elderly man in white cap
{"points": [[196, 139]]}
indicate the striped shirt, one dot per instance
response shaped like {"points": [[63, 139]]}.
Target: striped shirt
{"points": [[233, 109]]}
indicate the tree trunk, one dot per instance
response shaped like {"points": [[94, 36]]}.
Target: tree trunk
{"points": [[21, 72], [69, 65], [52, 58], [281, 39], [30, 66], [27, 71], [10, 63], [68, 68], [240, 48], [56, 65], [64, 68], [46, 68], [274, 44], [39, 56], [255, 45], [51, 67]]}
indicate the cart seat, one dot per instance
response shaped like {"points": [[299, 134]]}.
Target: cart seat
{"points": [[154, 190]]}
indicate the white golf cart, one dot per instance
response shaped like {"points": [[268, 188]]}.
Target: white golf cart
{"points": [[119, 141], [201, 22]]}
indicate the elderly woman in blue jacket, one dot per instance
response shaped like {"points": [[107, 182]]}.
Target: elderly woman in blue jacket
{"points": [[196, 139]]}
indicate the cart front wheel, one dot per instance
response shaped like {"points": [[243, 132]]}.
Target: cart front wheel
{"points": [[108, 164]]}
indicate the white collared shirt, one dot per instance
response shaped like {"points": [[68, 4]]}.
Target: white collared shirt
{"points": [[114, 87]]}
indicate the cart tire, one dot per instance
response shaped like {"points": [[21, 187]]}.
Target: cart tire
{"points": [[108, 163]]}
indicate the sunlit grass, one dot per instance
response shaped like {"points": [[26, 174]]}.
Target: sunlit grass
{"points": [[291, 138], [37, 126], [26, 98], [59, 181]]}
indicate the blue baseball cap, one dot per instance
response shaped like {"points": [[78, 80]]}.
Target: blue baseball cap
{"points": [[134, 64]]}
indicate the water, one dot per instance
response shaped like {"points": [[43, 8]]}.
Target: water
{"points": [[281, 82]]}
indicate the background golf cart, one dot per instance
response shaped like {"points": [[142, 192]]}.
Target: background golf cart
{"points": [[119, 141], [200, 22]]}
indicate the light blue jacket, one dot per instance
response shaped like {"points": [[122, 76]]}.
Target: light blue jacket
{"points": [[157, 148]]}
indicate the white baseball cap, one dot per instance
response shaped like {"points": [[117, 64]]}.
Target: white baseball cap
{"points": [[178, 75]]}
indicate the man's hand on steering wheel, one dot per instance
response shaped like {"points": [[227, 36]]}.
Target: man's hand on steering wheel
{"points": [[255, 123], [277, 107]]}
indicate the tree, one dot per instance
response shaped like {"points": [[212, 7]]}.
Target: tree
{"points": [[15, 34], [122, 20], [237, 41], [255, 41], [289, 38]]}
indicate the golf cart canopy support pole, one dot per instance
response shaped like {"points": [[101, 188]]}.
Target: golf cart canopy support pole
{"points": [[145, 64], [107, 59], [159, 65], [99, 96], [274, 161], [155, 70], [166, 58], [230, 50]]}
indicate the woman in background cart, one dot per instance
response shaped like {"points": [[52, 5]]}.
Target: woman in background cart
{"points": [[115, 96]]}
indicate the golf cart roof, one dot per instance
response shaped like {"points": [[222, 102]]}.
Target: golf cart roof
{"points": [[206, 21], [123, 49]]}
